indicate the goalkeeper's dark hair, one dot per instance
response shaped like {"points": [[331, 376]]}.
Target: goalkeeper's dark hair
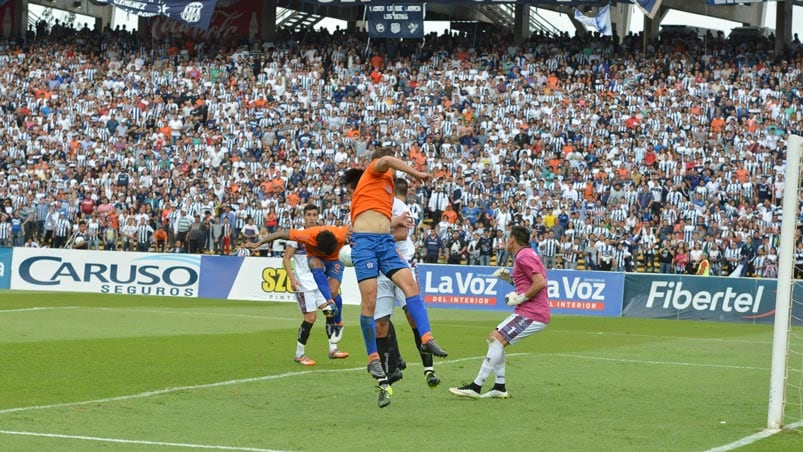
{"points": [[309, 207], [327, 243], [352, 177], [401, 186], [521, 235]]}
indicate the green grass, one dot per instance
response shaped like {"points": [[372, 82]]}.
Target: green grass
{"points": [[583, 384]]}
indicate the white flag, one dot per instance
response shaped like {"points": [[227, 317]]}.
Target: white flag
{"points": [[601, 23]]}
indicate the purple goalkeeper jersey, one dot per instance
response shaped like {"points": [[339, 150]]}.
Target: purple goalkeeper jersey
{"points": [[525, 265]]}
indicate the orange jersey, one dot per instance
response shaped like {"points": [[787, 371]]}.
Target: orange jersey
{"points": [[160, 235], [374, 192], [309, 238]]}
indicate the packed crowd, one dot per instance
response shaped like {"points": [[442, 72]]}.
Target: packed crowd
{"points": [[618, 157]]}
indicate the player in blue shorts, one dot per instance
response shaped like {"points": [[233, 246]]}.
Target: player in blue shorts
{"points": [[374, 251]]}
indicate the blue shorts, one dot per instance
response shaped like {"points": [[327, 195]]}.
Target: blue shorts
{"points": [[373, 253], [332, 269]]}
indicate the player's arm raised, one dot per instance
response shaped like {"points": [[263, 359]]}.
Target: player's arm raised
{"points": [[389, 162], [278, 235]]}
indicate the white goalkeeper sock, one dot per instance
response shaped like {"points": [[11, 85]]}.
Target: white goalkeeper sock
{"points": [[494, 357], [499, 368]]}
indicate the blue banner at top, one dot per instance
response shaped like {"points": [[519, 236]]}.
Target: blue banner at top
{"points": [[194, 13]]}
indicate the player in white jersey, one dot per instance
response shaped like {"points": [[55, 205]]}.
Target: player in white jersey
{"points": [[308, 295], [389, 295]]}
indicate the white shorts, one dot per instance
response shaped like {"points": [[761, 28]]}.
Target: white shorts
{"points": [[389, 295], [386, 297], [515, 328], [309, 301]]}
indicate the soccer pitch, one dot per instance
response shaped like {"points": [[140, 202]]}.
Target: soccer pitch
{"points": [[96, 372]]}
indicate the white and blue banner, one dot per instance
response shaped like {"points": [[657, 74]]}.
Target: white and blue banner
{"points": [[129, 273], [601, 23], [396, 20], [682, 297], [649, 7], [5, 267], [475, 287], [259, 279], [194, 13]]}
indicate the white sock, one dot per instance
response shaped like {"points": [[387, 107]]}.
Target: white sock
{"points": [[499, 369], [494, 357], [332, 348], [300, 349]]}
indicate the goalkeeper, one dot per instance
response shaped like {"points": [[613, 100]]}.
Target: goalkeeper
{"points": [[530, 315]]}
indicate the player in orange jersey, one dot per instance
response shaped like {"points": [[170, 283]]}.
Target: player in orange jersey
{"points": [[374, 251], [322, 246]]}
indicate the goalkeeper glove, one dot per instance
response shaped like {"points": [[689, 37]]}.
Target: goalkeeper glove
{"points": [[513, 299], [503, 274]]}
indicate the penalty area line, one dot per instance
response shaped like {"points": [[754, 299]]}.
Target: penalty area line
{"points": [[134, 441], [747, 440], [157, 392]]}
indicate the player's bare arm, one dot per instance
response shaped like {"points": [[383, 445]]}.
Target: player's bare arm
{"points": [[278, 235], [388, 162]]}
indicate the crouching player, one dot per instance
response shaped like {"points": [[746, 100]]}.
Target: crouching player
{"points": [[315, 274]]}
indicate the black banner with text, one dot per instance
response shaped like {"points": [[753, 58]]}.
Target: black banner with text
{"points": [[400, 20]]}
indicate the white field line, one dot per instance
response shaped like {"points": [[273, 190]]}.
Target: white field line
{"points": [[747, 440], [133, 441], [215, 314], [157, 392], [603, 333], [663, 363], [39, 308]]}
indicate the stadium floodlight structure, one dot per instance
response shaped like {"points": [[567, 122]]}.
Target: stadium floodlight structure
{"points": [[783, 298]]}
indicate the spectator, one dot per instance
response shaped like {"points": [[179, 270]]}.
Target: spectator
{"points": [[567, 131], [433, 246], [196, 235]]}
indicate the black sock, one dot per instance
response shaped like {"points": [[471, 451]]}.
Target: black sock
{"points": [[382, 349], [330, 327], [303, 332], [500, 387], [393, 348], [426, 358], [475, 387]]}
